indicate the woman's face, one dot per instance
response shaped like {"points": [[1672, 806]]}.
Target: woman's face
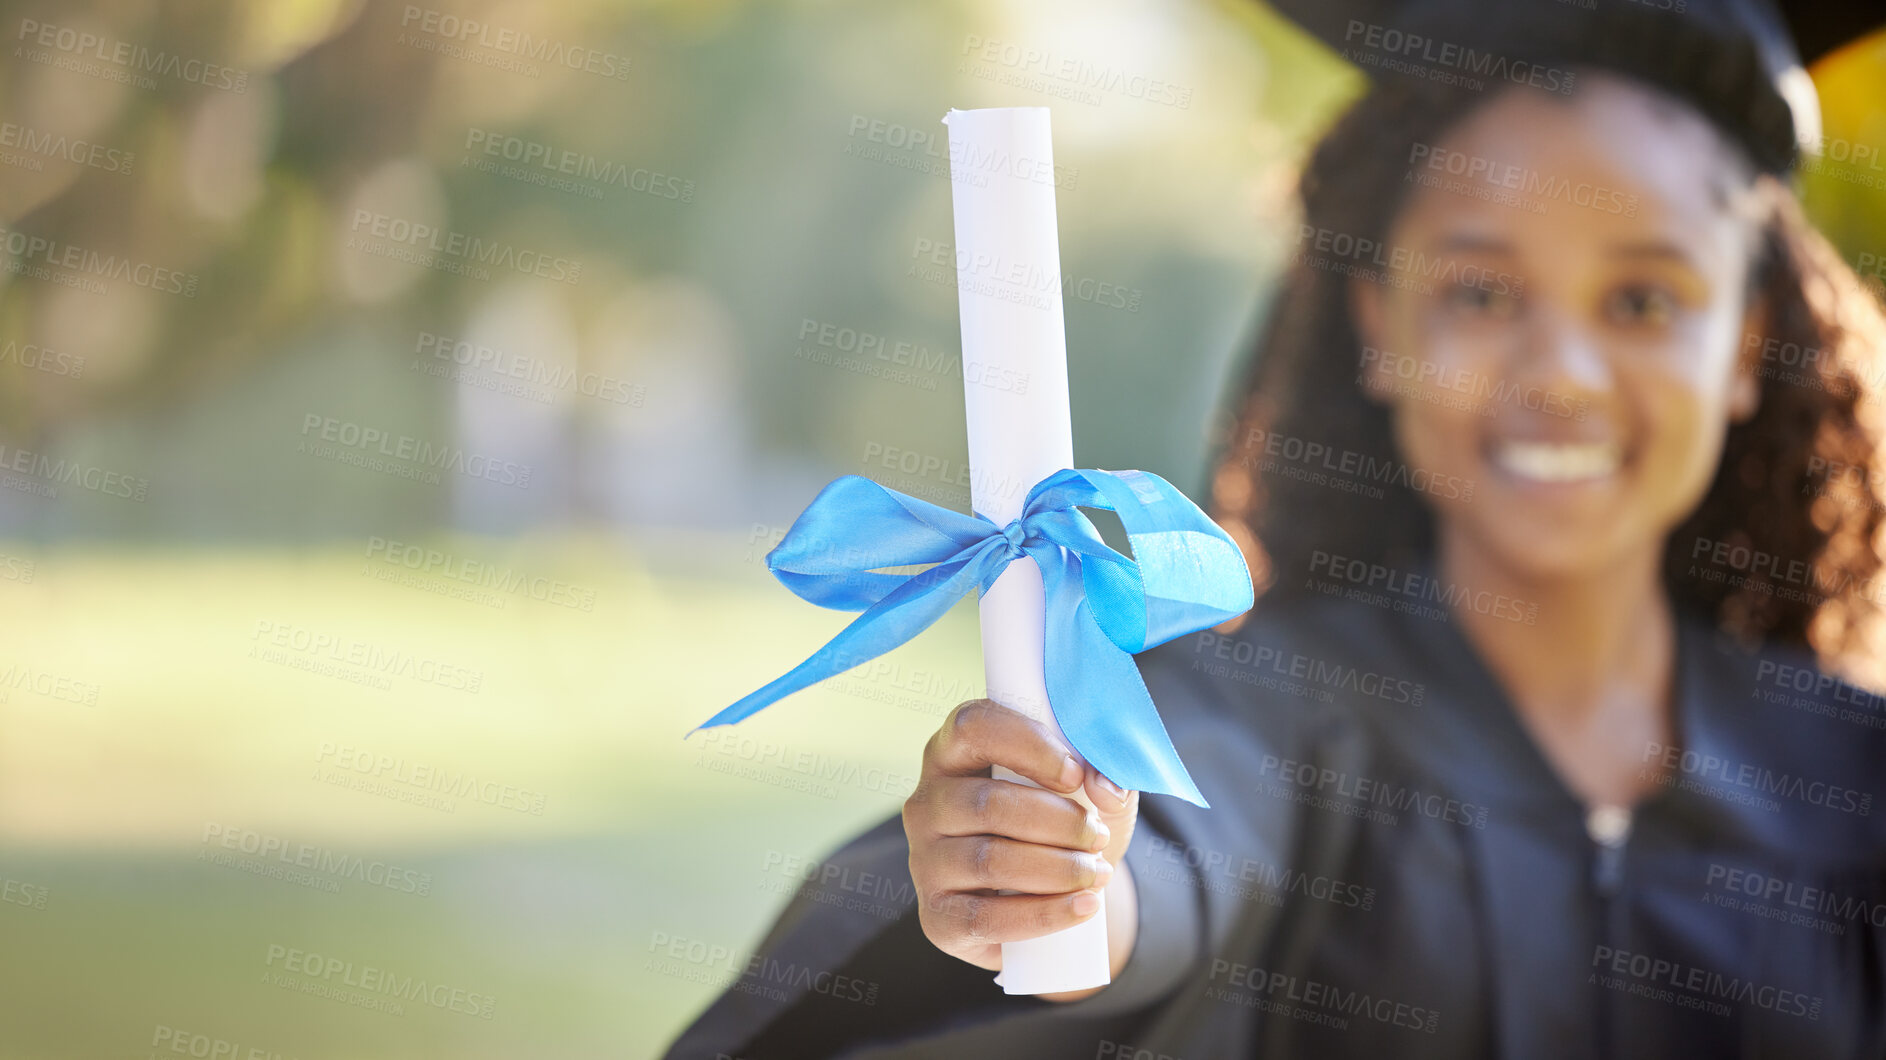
{"points": [[1568, 328]]}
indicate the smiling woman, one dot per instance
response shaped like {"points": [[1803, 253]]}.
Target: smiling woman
{"points": [[1532, 745], [1600, 371], [1594, 364]]}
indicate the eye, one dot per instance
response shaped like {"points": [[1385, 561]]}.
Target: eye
{"points": [[1640, 305], [1472, 300]]}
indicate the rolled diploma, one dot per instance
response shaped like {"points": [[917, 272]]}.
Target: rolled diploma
{"points": [[1008, 273]]}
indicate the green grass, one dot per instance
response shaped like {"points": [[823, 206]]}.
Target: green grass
{"points": [[105, 806]]}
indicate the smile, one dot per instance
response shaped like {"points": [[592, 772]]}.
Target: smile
{"points": [[1558, 461]]}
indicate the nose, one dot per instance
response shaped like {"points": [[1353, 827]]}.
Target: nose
{"points": [[1560, 355]]}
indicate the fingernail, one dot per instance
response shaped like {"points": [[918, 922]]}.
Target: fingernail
{"points": [[1086, 903], [1070, 772], [1111, 788], [1102, 834], [1103, 873]]}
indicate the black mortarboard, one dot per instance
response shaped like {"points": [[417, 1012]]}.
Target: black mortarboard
{"points": [[1738, 61]]}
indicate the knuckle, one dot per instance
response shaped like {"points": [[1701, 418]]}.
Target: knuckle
{"points": [[933, 912], [984, 802], [970, 721], [939, 906], [1045, 915], [979, 918], [914, 815], [1083, 870], [919, 798], [983, 854], [1075, 818]]}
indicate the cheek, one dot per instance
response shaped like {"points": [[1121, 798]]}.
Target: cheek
{"points": [[1681, 418], [1434, 378], [1438, 430]]}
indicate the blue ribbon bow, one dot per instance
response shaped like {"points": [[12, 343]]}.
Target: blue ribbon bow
{"points": [[1101, 607]]}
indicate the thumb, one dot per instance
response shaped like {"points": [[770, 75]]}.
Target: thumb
{"points": [[1118, 810]]}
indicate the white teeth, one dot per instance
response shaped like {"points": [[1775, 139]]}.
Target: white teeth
{"points": [[1554, 462]]}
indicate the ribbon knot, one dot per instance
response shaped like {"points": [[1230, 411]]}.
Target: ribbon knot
{"points": [[1016, 533], [1100, 607]]}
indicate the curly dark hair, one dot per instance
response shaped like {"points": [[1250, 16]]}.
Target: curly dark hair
{"points": [[1796, 504]]}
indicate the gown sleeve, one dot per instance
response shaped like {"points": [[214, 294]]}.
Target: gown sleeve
{"points": [[832, 981]]}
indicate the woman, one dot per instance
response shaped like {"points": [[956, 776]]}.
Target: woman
{"points": [[1526, 750]]}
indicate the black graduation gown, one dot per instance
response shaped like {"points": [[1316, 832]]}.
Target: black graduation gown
{"points": [[1390, 867]]}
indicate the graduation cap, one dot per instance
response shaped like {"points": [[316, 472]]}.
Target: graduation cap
{"points": [[1738, 61]]}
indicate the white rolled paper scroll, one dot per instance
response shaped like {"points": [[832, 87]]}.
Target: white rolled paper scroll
{"points": [[1008, 282]]}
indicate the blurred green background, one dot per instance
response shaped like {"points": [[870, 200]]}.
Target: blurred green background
{"points": [[397, 401]]}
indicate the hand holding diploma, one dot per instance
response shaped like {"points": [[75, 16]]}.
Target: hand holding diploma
{"points": [[972, 835]]}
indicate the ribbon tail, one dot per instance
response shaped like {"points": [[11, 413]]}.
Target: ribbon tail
{"points": [[903, 613], [1098, 697]]}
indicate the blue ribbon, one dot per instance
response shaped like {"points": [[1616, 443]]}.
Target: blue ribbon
{"points": [[1101, 607]]}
